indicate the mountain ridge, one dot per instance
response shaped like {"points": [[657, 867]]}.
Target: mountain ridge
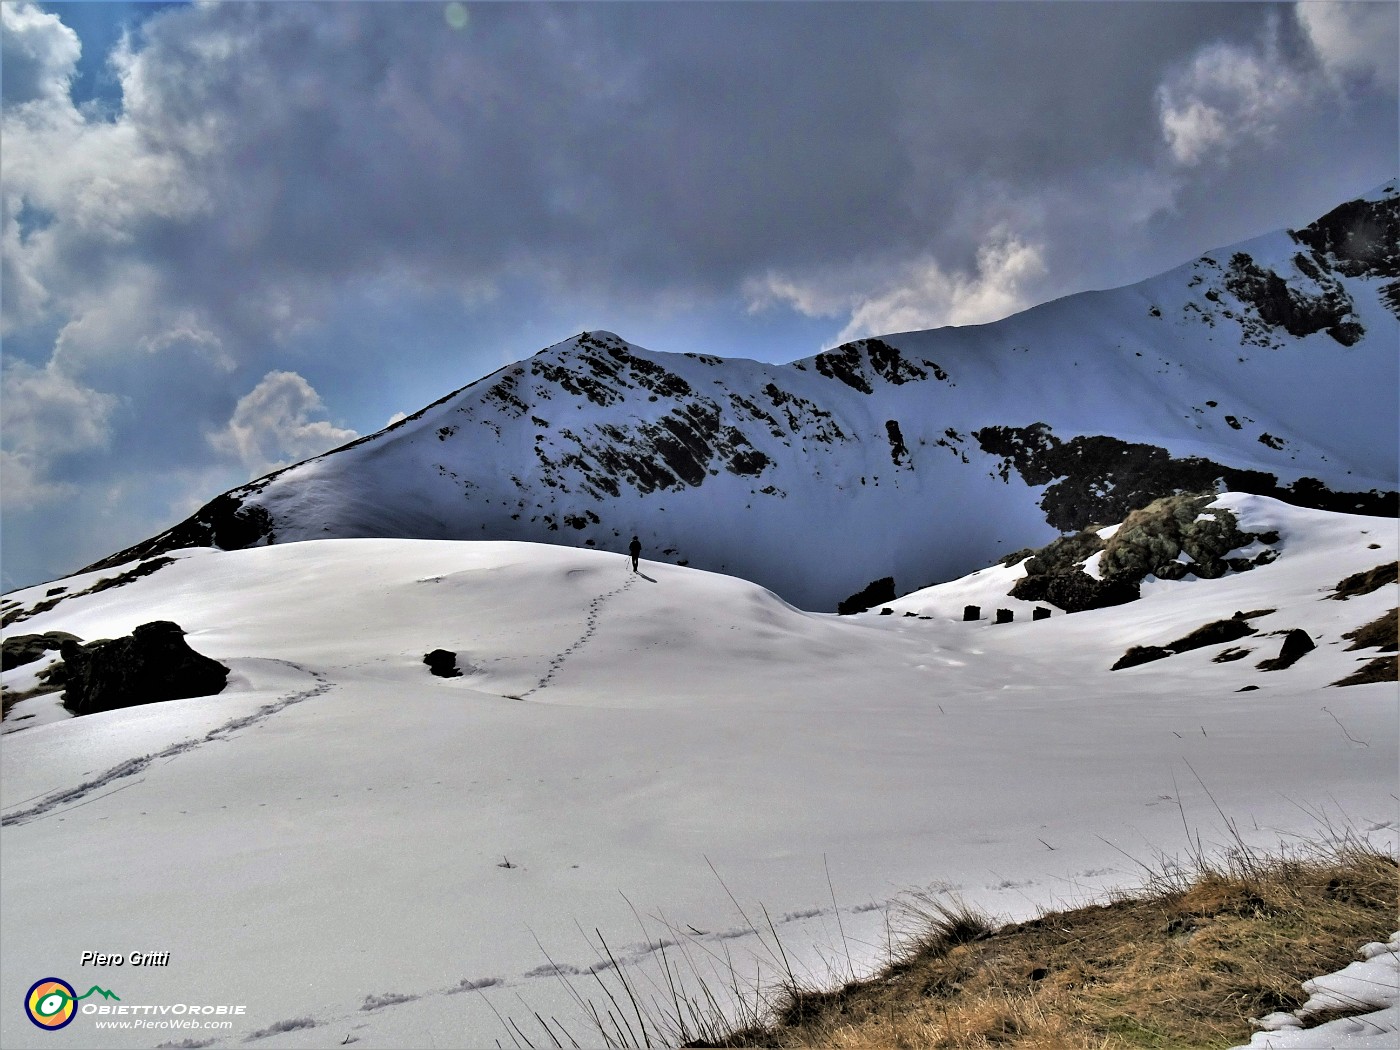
{"points": [[916, 455]]}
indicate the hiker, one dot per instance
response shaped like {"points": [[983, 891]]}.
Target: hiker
{"points": [[635, 549]]}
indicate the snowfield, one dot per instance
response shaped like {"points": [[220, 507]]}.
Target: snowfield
{"points": [[353, 849]]}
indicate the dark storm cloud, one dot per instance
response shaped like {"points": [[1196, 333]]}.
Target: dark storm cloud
{"points": [[633, 146]]}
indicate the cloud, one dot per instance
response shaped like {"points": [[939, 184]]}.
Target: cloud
{"points": [[1353, 40], [931, 297], [47, 416], [38, 55], [273, 425], [921, 294], [1226, 97]]}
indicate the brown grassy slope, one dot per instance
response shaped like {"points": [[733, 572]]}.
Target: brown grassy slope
{"points": [[1380, 633], [1179, 966]]}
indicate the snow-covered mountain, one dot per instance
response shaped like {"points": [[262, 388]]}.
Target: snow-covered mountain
{"points": [[1268, 367], [352, 849]]}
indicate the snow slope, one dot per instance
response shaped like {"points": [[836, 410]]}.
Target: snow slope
{"points": [[1251, 368], [326, 842], [1368, 991]]}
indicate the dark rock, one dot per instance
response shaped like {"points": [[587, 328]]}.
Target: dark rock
{"points": [[1031, 588], [1005, 616], [1066, 554], [899, 452], [1299, 313], [152, 664], [1361, 237], [1172, 570], [24, 649], [1016, 556], [1103, 478], [886, 612], [1211, 634], [846, 364], [1077, 591], [1296, 645], [972, 612], [1040, 613], [1252, 614], [223, 522], [874, 593], [1141, 654], [443, 663]]}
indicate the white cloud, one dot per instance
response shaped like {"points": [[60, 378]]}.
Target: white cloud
{"points": [[46, 415], [931, 297], [39, 55], [922, 294], [1353, 39], [1225, 96], [273, 424], [809, 297]]}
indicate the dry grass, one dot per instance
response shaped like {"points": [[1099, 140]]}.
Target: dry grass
{"points": [[1381, 669], [1366, 582], [1380, 633], [1185, 963]]}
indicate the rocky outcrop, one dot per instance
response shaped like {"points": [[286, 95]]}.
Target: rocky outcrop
{"points": [[1360, 238], [152, 664], [1280, 305], [875, 593], [1076, 591], [24, 649], [1152, 539], [224, 522], [1100, 478]]}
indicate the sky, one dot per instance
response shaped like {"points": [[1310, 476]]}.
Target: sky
{"points": [[237, 235]]}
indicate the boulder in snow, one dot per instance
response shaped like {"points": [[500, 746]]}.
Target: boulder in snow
{"points": [[151, 664]]}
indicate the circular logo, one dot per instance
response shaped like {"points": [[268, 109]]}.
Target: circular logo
{"points": [[51, 1003]]}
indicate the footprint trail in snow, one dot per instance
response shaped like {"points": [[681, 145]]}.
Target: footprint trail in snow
{"points": [[590, 628]]}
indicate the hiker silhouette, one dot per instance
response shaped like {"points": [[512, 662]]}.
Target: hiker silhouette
{"points": [[635, 549]]}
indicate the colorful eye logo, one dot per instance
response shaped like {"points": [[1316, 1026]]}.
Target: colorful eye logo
{"points": [[51, 1003]]}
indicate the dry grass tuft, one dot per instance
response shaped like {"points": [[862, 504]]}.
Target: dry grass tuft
{"points": [[1366, 582], [1186, 963], [1380, 633], [1381, 669]]}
